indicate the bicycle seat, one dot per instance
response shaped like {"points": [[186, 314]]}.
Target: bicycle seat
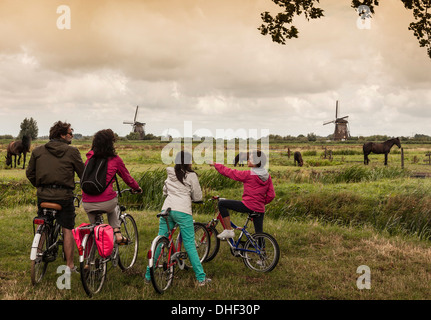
{"points": [[164, 213], [97, 212], [255, 214], [51, 205]]}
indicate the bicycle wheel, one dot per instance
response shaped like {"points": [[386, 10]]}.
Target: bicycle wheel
{"points": [[161, 270], [92, 268], [128, 252], [214, 243], [38, 263], [264, 252], [202, 242]]}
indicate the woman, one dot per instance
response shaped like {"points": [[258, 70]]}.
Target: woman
{"points": [[181, 188], [258, 192], [107, 201]]}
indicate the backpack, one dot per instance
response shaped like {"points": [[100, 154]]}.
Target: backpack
{"points": [[104, 235], [93, 180]]}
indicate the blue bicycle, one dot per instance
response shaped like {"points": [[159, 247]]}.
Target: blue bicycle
{"points": [[259, 251]]}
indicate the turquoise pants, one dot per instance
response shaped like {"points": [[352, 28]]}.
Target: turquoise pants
{"points": [[185, 222]]}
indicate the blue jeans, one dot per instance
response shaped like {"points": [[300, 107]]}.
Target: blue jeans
{"points": [[185, 221]]}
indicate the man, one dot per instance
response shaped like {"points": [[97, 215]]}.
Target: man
{"points": [[52, 170]]}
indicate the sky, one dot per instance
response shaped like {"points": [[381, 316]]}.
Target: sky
{"points": [[203, 64]]}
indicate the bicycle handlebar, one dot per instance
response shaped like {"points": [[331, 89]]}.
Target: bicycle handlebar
{"points": [[132, 191]]}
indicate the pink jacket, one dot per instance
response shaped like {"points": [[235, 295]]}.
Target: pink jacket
{"points": [[258, 188], [115, 165]]}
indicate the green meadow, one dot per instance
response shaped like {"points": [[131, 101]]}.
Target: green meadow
{"points": [[329, 217]]}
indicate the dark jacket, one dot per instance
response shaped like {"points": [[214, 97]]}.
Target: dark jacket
{"points": [[54, 164]]}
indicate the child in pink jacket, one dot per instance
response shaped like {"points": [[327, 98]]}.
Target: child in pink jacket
{"points": [[258, 192]]}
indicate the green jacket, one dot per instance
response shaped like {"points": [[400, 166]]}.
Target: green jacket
{"points": [[54, 163]]}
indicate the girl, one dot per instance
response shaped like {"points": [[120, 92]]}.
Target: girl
{"points": [[103, 147], [258, 191], [181, 188]]}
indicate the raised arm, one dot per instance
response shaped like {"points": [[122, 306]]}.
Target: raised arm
{"points": [[238, 175]]}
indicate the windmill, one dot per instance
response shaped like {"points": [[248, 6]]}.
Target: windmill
{"points": [[137, 126], [341, 131]]}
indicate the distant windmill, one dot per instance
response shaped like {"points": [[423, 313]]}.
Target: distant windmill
{"points": [[341, 131], [137, 126]]}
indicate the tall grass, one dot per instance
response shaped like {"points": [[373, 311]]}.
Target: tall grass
{"points": [[152, 182], [345, 174], [382, 197]]}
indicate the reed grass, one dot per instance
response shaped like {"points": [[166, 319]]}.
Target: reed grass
{"points": [[382, 197]]}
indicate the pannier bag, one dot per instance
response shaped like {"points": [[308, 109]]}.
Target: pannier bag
{"points": [[104, 235], [78, 235]]}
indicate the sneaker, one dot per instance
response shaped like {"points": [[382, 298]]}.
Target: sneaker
{"points": [[205, 282], [226, 234], [72, 270]]}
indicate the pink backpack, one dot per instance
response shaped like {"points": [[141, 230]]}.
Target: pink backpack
{"points": [[104, 235]]}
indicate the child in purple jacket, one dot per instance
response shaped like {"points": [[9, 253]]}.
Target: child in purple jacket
{"points": [[258, 191]]}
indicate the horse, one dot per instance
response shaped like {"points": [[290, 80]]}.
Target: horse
{"points": [[17, 148], [240, 158], [297, 158], [379, 148]]}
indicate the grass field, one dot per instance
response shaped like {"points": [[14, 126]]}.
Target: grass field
{"points": [[330, 217]]}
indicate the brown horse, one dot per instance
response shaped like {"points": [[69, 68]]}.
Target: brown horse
{"points": [[17, 148], [240, 158], [379, 148], [297, 157]]}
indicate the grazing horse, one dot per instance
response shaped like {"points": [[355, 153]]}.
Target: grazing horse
{"points": [[297, 157], [240, 158], [17, 148], [380, 148]]}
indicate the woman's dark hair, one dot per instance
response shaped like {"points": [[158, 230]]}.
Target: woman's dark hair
{"points": [[103, 144], [59, 129], [259, 156], [183, 160]]}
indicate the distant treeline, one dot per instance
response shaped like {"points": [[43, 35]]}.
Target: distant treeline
{"points": [[310, 137]]}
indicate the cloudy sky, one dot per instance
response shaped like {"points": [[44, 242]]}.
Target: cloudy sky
{"points": [[204, 61]]}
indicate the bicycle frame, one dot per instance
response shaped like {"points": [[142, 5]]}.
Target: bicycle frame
{"points": [[47, 221], [235, 245], [174, 251]]}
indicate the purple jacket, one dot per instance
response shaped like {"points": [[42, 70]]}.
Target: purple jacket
{"points": [[258, 188], [115, 165]]}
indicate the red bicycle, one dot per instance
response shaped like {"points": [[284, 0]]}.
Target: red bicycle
{"points": [[165, 254]]}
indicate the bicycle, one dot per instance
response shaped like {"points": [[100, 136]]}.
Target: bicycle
{"points": [[93, 267], [164, 255], [47, 239], [260, 251]]}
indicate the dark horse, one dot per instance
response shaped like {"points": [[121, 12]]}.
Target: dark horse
{"points": [[379, 148], [297, 157], [240, 158], [17, 148]]}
